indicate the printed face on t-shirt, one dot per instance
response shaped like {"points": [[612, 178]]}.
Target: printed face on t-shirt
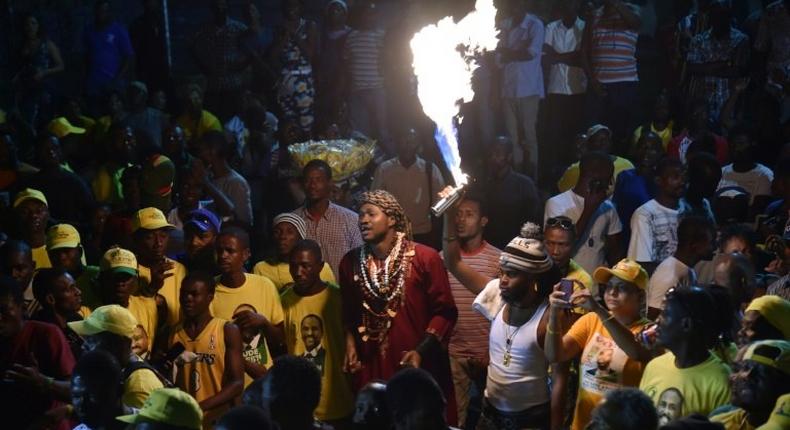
{"points": [[312, 331], [670, 406]]}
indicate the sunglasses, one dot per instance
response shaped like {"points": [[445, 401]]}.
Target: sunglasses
{"points": [[561, 223]]}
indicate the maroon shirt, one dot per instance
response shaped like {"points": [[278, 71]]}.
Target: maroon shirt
{"points": [[45, 344], [427, 307]]}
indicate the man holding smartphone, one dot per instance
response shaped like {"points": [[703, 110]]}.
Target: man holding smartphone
{"points": [[597, 226]]}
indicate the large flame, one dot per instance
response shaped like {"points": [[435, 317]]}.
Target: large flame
{"points": [[444, 63]]}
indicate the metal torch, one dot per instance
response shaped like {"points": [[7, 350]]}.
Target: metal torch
{"points": [[446, 202]]}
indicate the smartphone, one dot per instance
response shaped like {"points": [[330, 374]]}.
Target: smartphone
{"points": [[566, 286]]}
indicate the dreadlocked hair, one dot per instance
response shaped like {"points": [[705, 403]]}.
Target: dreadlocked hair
{"points": [[390, 206]]}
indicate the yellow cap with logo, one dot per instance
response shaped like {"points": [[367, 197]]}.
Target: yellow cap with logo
{"points": [[169, 406], [627, 270], [111, 318], [62, 236], [775, 310], [119, 260], [29, 193], [150, 219]]}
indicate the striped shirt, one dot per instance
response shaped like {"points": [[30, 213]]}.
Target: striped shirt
{"points": [[470, 335], [363, 52], [336, 231], [614, 49]]}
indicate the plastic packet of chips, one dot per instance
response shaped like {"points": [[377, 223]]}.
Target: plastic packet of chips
{"points": [[346, 157]]}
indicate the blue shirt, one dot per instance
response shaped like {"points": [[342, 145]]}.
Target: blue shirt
{"points": [[631, 191], [524, 78], [107, 49]]}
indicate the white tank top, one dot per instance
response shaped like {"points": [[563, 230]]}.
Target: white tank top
{"points": [[524, 382]]}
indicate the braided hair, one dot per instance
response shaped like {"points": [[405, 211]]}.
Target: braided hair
{"points": [[390, 206]]}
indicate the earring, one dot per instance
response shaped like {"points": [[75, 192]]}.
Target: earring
{"points": [[535, 287]]}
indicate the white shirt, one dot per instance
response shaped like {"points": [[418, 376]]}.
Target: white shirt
{"points": [[565, 79], [654, 232], [524, 382], [590, 254], [757, 182], [670, 273], [410, 186]]}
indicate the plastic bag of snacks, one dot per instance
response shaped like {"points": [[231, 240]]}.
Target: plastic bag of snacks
{"points": [[346, 157]]}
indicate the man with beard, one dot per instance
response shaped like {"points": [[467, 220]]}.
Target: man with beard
{"points": [[757, 381], [398, 308], [517, 390], [688, 379], [201, 228]]}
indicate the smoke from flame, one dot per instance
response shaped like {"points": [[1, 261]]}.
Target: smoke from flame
{"points": [[444, 63]]}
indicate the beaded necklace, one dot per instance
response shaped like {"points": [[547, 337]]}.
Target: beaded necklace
{"points": [[382, 288]]}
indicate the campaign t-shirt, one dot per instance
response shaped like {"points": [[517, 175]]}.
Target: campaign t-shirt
{"points": [[757, 181], [144, 310], [603, 366], [590, 253], [681, 392], [314, 330], [259, 295]]}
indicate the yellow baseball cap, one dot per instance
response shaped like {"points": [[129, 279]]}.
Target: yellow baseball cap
{"points": [[29, 193], [169, 406], [774, 353], [780, 417], [119, 260], [62, 236], [112, 318], [627, 270], [150, 219], [61, 127], [775, 310]]}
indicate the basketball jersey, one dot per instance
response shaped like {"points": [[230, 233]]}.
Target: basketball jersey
{"points": [[199, 369]]}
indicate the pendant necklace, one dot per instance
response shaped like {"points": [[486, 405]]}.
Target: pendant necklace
{"points": [[508, 343]]}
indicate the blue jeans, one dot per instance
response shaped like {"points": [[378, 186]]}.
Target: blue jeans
{"points": [[368, 111]]}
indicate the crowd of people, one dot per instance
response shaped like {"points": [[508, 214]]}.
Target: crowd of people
{"points": [[621, 262]]}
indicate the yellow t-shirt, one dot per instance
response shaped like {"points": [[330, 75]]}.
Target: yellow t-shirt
{"points": [[106, 185], [199, 370], [571, 175], [577, 273], [734, 419], [259, 295], [41, 258], [196, 129], [681, 392], [139, 386], [314, 330], [603, 366], [170, 290], [280, 274], [665, 134], [144, 310]]}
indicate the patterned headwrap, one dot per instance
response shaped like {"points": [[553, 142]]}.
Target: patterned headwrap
{"points": [[390, 206]]}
